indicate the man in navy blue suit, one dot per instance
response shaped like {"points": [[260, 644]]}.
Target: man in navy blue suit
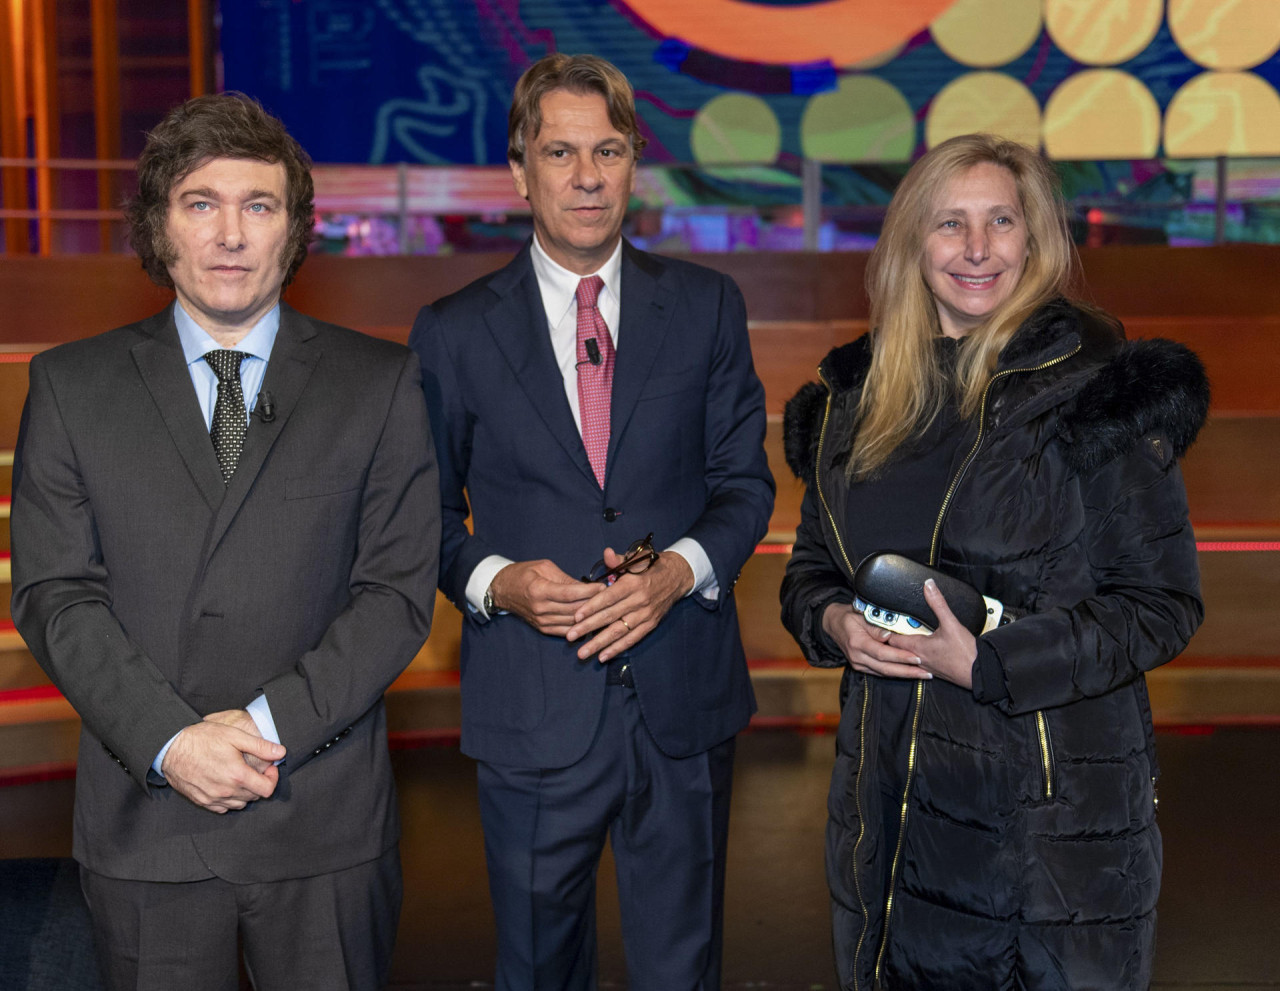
{"points": [[584, 398]]}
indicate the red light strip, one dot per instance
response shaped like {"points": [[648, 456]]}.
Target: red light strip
{"points": [[33, 693]]}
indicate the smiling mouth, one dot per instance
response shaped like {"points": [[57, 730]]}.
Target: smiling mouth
{"points": [[975, 281]]}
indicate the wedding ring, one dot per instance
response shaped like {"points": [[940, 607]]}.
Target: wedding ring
{"points": [[625, 623]]}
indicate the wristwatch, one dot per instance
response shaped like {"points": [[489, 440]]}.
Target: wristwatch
{"points": [[489, 607]]}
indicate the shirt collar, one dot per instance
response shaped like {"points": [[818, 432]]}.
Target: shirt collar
{"points": [[559, 285], [196, 343]]}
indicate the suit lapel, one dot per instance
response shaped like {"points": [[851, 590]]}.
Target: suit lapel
{"points": [[293, 359], [163, 368], [518, 323], [647, 308]]}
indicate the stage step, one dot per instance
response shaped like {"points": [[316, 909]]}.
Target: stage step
{"points": [[38, 734], [18, 669], [1231, 480], [14, 359]]}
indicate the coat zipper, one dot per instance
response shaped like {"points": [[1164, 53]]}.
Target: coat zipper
{"points": [[1045, 754], [866, 686]]}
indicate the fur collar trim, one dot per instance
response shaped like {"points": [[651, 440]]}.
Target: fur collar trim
{"points": [[1136, 388], [1154, 386]]}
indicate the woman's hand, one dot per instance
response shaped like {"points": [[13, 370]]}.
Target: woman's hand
{"points": [[950, 650], [865, 645]]}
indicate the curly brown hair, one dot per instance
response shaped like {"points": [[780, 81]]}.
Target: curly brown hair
{"points": [[222, 125]]}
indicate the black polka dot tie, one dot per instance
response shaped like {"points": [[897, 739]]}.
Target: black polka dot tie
{"points": [[229, 417]]}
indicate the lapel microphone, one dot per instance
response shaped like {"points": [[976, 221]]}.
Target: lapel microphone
{"points": [[593, 351], [266, 408]]}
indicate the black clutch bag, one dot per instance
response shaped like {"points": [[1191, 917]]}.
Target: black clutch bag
{"points": [[890, 591]]}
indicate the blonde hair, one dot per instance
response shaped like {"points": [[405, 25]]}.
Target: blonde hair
{"points": [[905, 388]]}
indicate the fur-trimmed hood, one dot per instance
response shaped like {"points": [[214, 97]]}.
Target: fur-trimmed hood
{"points": [[1125, 389]]}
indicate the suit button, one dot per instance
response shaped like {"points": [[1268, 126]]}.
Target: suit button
{"points": [[611, 514]]}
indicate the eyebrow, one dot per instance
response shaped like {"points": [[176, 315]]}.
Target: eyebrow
{"points": [[993, 208], [954, 211], [204, 192], [559, 144]]}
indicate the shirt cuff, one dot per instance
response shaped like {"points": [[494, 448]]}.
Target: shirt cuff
{"points": [[159, 761], [481, 578], [704, 576], [260, 712]]}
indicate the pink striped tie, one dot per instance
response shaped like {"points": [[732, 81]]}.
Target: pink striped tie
{"points": [[595, 380]]}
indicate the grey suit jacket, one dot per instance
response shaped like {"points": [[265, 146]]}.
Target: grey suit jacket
{"points": [[153, 594]]}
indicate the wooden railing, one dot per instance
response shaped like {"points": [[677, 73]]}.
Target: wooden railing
{"points": [[1225, 304]]}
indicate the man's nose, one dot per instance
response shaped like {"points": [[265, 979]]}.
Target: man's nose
{"points": [[586, 173], [231, 232]]}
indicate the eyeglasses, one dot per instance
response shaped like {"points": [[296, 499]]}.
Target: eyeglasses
{"points": [[639, 557]]}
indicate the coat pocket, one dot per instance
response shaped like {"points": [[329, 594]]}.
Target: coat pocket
{"points": [[1044, 739], [323, 483]]}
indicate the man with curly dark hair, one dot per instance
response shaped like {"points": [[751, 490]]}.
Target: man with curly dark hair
{"points": [[224, 535]]}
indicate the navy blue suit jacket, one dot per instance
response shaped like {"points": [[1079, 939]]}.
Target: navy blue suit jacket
{"points": [[686, 459]]}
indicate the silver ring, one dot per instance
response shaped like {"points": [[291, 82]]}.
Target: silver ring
{"points": [[625, 623]]}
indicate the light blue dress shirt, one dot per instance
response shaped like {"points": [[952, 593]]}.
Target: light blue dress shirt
{"points": [[257, 344]]}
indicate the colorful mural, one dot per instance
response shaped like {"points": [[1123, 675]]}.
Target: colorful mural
{"points": [[755, 81]]}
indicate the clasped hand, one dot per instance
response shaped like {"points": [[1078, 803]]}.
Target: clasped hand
{"points": [[223, 763], [619, 615], [948, 652]]}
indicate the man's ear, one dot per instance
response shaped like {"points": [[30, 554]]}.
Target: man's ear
{"points": [[517, 178]]}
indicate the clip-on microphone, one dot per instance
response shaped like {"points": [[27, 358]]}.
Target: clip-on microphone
{"points": [[593, 353], [266, 408]]}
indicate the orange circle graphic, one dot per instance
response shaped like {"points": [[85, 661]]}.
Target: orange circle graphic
{"points": [[839, 31]]}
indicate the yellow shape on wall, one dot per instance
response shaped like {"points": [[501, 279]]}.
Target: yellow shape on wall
{"points": [[865, 120], [842, 32], [986, 33], [1226, 34], [884, 58], [1223, 113], [736, 128], [1101, 114], [984, 101], [1102, 32]]}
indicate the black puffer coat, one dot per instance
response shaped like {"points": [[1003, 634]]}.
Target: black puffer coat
{"points": [[1030, 856]]}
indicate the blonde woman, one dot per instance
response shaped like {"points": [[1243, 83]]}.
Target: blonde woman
{"points": [[992, 807]]}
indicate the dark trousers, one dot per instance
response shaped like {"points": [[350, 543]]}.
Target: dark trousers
{"points": [[332, 931], [668, 822]]}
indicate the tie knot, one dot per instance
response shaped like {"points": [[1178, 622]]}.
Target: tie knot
{"points": [[225, 364], [589, 291]]}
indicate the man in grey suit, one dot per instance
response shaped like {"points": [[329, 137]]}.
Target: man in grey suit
{"points": [[225, 535]]}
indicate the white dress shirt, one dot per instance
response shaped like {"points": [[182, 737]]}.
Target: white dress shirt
{"points": [[558, 287]]}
